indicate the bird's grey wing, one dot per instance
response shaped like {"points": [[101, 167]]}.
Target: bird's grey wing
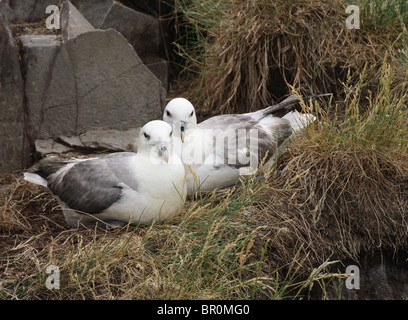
{"points": [[117, 155], [231, 128], [266, 141], [222, 121], [225, 121], [92, 186], [236, 147]]}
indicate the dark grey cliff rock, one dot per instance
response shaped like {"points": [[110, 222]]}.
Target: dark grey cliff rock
{"points": [[14, 147], [91, 79]]}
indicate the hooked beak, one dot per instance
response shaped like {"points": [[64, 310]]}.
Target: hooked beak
{"points": [[163, 151], [182, 126]]}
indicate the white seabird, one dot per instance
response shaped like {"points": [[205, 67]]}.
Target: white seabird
{"points": [[251, 138], [123, 187]]}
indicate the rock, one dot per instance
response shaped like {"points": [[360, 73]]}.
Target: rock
{"points": [[382, 275], [39, 56], [113, 140], [48, 146], [91, 141], [14, 146], [153, 7], [72, 22], [162, 10], [157, 8], [161, 70], [27, 10], [140, 29], [93, 80], [95, 11]]}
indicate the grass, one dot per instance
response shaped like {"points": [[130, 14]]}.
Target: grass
{"points": [[384, 16], [350, 172], [216, 250], [245, 55]]}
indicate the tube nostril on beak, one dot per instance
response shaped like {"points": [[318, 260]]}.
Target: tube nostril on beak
{"points": [[182, 128], [163, 152]]}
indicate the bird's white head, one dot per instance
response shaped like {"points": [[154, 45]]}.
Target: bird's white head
{"points": [[180, 113], [156, 136]]}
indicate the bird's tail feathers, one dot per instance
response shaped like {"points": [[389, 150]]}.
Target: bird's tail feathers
{"points": [[39, 174], [285, 106], [299, 120], [35, 178]]}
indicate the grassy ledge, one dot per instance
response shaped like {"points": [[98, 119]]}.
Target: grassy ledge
{"points": [[338, 190]]}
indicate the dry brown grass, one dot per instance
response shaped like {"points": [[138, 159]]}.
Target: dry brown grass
{"points": [[94, 263], [256, 51], [336, 208], [341, 188], [217, 250], [31, 28]]}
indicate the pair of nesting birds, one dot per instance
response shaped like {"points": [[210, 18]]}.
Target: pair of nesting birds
{"points": [[175, 158]]}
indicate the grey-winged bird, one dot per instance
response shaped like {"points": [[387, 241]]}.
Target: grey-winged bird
{"points": [[122, 187]]}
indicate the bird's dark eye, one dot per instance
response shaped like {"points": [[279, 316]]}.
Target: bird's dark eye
{"points": [[146, 136], [191, 114], [168, 113], [171, 133]]}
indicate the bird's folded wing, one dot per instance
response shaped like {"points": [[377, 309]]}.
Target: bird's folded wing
{"points": [[230, 121], [94, 185]]}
